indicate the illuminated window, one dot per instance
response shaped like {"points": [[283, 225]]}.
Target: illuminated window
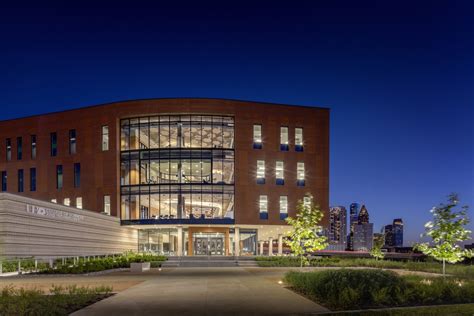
{"points": [[9, 149], [67, 201], [107, 204], [283, 207], [279, 173], [260, 171], [307, 201], [79, 202], [54, 201], [284, 138], [298, 139], [72, 141], [263, 205], [105, 138], [257, 136], [33, 146], [300, 174]]}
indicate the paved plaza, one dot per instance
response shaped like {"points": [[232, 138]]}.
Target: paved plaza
{"points": [[205, 291]]}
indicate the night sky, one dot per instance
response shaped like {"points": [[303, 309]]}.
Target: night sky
{"points": [[397, 75]]}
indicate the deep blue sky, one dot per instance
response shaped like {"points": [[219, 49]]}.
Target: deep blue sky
{"points": [[397, 75]]}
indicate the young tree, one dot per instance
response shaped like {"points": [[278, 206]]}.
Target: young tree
{"points": [[376, 250], [446, 230], [306, 233]]}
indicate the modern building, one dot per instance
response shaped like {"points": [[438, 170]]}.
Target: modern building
{"points": [[353, 219], [394, 233], [388, 231], [363, 231], [190, 176], [363, 236], [337, 228], [398, 232]]}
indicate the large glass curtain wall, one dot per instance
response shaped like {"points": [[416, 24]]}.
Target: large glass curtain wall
{"points": [[177, 167]]}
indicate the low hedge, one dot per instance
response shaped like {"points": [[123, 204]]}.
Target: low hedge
{"points": [[461, 270], [101, 264], [355, 289], [60, 301]]}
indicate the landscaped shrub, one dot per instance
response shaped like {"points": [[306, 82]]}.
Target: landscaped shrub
{"points": [[101, 264], [61, 301], [354, 289], [460, 270]]}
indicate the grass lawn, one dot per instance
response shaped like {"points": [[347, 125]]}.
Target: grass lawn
{"points": [[445, 310]]}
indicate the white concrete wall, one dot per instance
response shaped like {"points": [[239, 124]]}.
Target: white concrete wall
{"points": [[55, 230]]}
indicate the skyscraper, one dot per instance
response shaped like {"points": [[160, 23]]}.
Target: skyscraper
{"points": [[337, 228], [354, 215], [388, 231], [398, 232], [363, 216], [363, 236]]}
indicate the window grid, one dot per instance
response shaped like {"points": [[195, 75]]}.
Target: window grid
{"points": [[284, 145], [263, 206], [257, 136], [260, 171], [33, 146], [107, 204], [300, 174], [19, 148], [283, 207], [9, 149], [32, 179], [72, 141], [299, 139], [79, 202], [59, 177], [54, 144], [77, 175], [4, 181], [105, 138], [279, 173], [20, 180]]}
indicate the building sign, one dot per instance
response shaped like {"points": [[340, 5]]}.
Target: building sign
{"points": [[43, 211]]}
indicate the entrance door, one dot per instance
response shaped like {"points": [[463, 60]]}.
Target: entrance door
{"points": [[208, 245]]}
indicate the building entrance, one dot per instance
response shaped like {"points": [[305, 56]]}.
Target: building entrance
{"points": [[211, 244]]}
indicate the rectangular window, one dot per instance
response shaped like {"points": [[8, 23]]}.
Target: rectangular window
{"points": [[298, 139], [307, 201], [9, 149], [54, 201], [19, 148], [300, 174], [77, 175], [263, 204], [107, 204], [72, 141], [279, 173], [79, 202], [54, 144], [32, 179], [4, 181], [260, 171], [59, 177], [257, 136], [20, 180], [67, 201], [283, 207], [284, 138], [33, 146], [105, 138]]}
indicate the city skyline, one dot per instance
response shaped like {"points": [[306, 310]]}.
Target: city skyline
{"points": [[401, 104]]}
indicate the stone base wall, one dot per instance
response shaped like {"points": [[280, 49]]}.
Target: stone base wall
{"points": [[34, 228]]}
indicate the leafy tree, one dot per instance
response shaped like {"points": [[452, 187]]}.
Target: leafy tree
{"points": [[446, 230], [376, 250], [306, 235]]}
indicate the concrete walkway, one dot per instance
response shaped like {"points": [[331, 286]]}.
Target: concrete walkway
{"points": [[206, 291]]}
